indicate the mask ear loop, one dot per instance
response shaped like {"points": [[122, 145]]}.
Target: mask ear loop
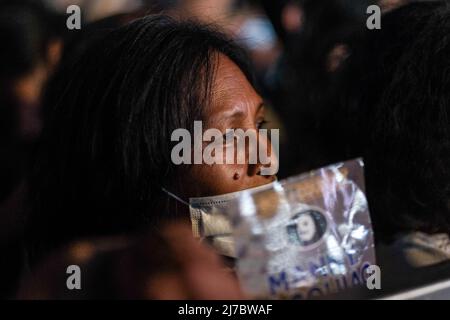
{"points": [[195, 217], [175, 196]]}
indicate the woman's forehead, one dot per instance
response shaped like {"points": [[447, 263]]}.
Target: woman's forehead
{"points": [[232, 93]]}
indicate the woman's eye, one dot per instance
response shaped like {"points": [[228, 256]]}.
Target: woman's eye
{"points": [[262, 123]]}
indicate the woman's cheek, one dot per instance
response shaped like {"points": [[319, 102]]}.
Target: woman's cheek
{"points": [[218, 179]]}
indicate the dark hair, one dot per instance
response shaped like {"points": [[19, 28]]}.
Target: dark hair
{"points": [[11, 147], [394, 110], [302, 77], [105, 153], [75, 44], [24, 37], [26, 29]]}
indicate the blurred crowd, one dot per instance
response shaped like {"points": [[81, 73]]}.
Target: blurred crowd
{"points": [[86, 116]]}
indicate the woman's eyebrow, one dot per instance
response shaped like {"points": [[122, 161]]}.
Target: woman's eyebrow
{"points": [[237, 113], [228, 118]]}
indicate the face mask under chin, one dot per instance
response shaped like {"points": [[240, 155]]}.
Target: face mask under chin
{"points": [[209, 220]]}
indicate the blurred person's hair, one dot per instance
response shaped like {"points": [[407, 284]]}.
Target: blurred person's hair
{"points": [[11, 147], [321, 17], [304, 76], [106, 148], [394, 110], [26, 29]]}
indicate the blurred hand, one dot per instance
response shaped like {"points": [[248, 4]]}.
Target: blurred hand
{"points": [[168, 265]]}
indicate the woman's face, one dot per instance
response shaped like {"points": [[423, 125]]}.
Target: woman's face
{"points": [[235, 105]]}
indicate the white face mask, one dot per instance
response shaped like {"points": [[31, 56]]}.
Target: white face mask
{"points": [[209, 222]]}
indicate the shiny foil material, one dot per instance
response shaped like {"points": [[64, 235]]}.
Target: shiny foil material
{"points": [[306, 236]]}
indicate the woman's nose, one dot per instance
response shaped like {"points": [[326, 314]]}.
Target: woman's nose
{"points": [[267, 159], [256, 170]]}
